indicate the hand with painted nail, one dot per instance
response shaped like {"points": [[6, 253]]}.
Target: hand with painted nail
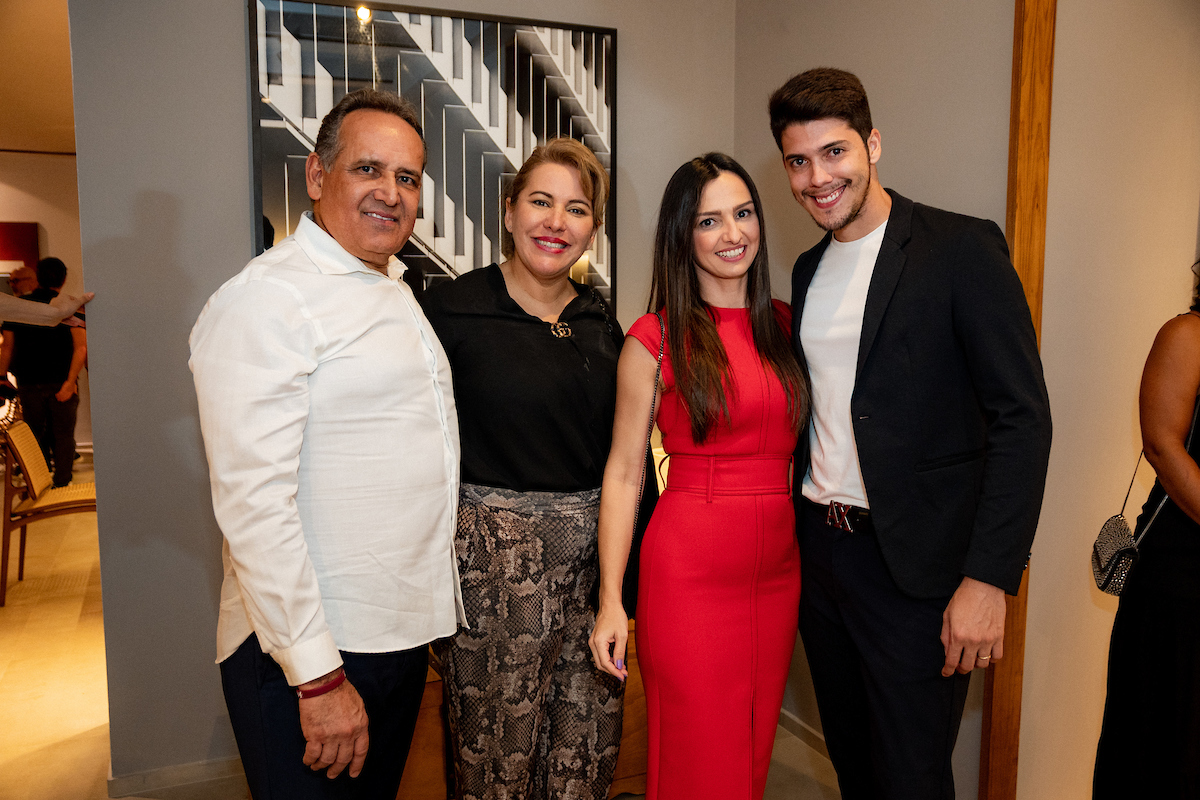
{"points": [[609, 638]]}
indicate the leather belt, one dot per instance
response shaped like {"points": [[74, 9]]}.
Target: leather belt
{"points": [[842, 516]]}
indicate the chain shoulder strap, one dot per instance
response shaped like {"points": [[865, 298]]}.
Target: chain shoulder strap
{"points": [[662, 338]]}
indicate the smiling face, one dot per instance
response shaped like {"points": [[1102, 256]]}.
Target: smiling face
{"points": [[725, 238], [831, 172], [551, 221], [367, 198]]}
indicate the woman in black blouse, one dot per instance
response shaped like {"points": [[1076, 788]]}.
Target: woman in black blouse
{"points": [[534, 357]]}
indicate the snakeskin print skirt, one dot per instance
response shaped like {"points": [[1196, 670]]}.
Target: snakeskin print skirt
{"points": [[530, 715]]}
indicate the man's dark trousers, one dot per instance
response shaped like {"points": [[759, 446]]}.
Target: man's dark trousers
{"points": [[890, 718], [265, 715], [53, 424]]}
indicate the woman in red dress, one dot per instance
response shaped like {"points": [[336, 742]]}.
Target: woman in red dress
{"points": [[719, 590]]}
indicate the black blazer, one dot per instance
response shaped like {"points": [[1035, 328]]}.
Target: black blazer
{"points": [[950, 412]]}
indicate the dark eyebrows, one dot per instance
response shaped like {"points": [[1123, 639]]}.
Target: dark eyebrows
{"points": [[549, 196], [702, 214], [379, 165], [825, 148], [367, 162]]}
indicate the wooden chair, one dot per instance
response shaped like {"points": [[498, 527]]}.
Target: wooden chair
{"points": [[35, 499]]}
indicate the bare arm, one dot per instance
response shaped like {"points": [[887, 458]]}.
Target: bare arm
{"points": [[618, 499], [1168, 395], [30, 312], [7, 348], [67, 305], [78, 359]]}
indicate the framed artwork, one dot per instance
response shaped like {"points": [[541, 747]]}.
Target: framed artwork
{"points": [[18, 248], [488, 91]]}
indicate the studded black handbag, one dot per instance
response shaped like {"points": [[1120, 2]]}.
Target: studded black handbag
{"points": [[1116, 549]]}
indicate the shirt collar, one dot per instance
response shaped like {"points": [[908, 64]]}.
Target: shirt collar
{"points": [[333, 259]]}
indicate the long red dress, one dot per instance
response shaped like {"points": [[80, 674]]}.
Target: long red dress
{"points": [[719, 592]]}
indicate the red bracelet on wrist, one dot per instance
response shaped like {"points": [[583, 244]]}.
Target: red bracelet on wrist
{"points": [[317, 691]]}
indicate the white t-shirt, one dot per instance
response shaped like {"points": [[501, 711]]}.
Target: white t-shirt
{"points": [[829, 332]]}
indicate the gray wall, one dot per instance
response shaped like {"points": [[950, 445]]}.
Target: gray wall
{"points": [[1123, 214], [162, 127], [938, 76], [162, 140]]}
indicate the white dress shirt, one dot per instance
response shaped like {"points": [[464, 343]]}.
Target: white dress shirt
{"points": [[332, 440], [830, 331]]}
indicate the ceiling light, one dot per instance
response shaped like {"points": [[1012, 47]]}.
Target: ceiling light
{"points": [[364, 13]]}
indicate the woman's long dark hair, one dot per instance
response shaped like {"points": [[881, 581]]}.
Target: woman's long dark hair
{"points": [[701, 365]]}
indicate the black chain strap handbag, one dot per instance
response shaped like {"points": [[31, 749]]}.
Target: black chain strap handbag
{"points": [[1116, 550]]}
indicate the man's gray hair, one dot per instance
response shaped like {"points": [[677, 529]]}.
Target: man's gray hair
{"points": [[328, 137]]}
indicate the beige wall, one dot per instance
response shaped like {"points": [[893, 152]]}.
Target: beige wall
{"points": [[938, 80], [163, 140], [675, 92], [1123, 215], [41, 188], [166, 218]]}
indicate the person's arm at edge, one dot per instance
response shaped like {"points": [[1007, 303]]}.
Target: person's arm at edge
{"points": [[1165, 406], [31, 312], [242, 360], [618, 499], [7, 348], [997, 334], [78, 358]]}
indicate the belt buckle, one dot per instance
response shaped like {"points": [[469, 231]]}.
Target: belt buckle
{"points": [[838, 517]]}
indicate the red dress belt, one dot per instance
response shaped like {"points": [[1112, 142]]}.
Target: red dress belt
{"points": [[729, 475]]}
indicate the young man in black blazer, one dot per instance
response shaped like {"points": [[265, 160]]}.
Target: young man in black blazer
{"points": [[925, 459]]}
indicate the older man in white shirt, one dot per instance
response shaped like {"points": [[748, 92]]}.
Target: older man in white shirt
{"points": [[332, 440]]}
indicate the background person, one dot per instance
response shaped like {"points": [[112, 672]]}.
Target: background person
{"points": [[22, 281], [328, 419], [46, 362], [534, 357], [1150, 740], [719, 586]]}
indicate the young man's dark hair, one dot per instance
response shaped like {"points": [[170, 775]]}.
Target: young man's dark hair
{"points": [[821, 93], [51, 273]]}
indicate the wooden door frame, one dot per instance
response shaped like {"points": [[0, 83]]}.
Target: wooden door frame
{"points": [[1028, 177]]}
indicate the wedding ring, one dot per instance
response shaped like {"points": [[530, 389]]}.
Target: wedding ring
{"points": [[983, 658]]}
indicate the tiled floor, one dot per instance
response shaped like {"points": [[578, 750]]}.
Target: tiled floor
{"points": [[54, 723], [54, 741]]}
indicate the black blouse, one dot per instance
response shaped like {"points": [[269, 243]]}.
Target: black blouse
{"points": [[535, 410]]}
